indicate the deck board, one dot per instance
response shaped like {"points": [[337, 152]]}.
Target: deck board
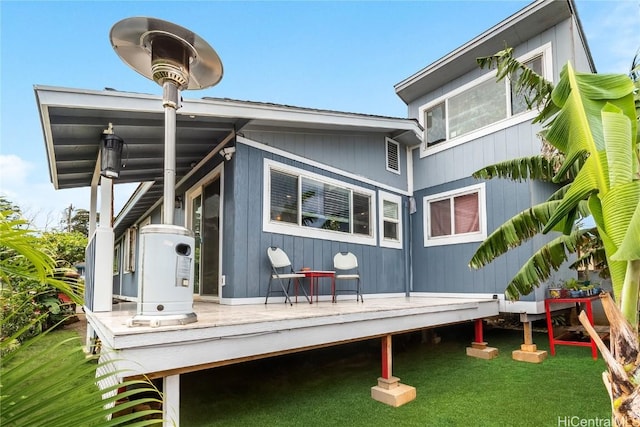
{"points": [[227, 334]]}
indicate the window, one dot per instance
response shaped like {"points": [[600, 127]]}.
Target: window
{"points": [[116, 260], [457, 216], [390, 220], [302, 203], [129, 259], [480, 107], [393, 156], [518, 101]]}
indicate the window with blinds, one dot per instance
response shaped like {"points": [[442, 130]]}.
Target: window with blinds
{"points": [[456, 216], [308, 201]]}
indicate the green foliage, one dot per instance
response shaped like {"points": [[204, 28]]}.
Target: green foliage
{"points": [[30, 281], [54, 385], [50, 382], [66, 248], [591, 121], [535, 88]]}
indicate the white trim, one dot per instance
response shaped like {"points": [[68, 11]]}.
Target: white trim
{"points": [[409, 151], [125, 298], [145, 221], [285, 154], [387, 142], [196, 190], [140, 191], [506, 306], [129, 252], [547, 64], [276, 300], [460, 238], [117, 258], [384, 242], [269, 226]]}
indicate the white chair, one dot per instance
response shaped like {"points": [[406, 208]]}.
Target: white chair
{"points": [[283, 271], [346, 266]]}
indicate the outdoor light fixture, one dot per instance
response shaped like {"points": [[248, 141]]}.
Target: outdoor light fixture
{"points": [[110, 154], [227, 152]]}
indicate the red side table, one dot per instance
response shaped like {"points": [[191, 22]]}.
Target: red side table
{"points": [[553, 341], [313, 276]]}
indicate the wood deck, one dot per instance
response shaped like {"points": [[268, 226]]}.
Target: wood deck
{"points": [[226, 334]]}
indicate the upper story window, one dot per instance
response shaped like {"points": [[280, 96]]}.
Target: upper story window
{"points": [[479, 107], [393, 156], [302, 203], [457, 216], [390, 220]]}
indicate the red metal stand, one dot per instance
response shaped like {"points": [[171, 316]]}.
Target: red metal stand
{"points": [[553, 341]]}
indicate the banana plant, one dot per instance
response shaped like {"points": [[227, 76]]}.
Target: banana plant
{"points": [[576, 101], [593, 119], [597, 118]]}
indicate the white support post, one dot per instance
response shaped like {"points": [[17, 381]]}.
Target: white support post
{"points": [[171, 400], [103, 277], [93, 209]]}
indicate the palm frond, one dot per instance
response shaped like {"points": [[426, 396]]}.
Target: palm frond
{"points": [[536, 89], [524, 168], [538, 268], [56, 386], [513, 233]]}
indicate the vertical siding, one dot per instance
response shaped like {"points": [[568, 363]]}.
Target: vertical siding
{"points": [[363, 155], [517, 141], [445, 268], [381, 269]]}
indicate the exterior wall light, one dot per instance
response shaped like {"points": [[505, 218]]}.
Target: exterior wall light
{"points": [[111, 155]]}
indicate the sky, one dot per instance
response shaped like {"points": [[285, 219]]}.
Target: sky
{"points": [[343, 56]]}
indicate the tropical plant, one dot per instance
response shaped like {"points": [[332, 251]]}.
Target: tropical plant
{"points": [[37, 394], [66, 248], [594, 118]]}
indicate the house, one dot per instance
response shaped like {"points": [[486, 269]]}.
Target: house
{"points": [[396, 192]]}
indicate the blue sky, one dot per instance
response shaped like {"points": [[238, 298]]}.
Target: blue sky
{"points": [[342, 56]]}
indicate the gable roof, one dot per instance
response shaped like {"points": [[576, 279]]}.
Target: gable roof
{"points": [[515, 30]]}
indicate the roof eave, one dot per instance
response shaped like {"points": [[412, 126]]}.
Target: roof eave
{"points": [[515, 29]]}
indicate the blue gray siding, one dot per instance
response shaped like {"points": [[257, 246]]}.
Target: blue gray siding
{"points": [[244, 260], [361, 154], [445, 268]]}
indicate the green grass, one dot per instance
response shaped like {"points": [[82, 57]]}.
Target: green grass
{"points": [[331, 387]]}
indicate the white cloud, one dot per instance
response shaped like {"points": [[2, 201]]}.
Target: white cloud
{"points": [[13, 170]]}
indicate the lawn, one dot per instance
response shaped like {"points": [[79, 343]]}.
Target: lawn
{"points": [[331, 387]]}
